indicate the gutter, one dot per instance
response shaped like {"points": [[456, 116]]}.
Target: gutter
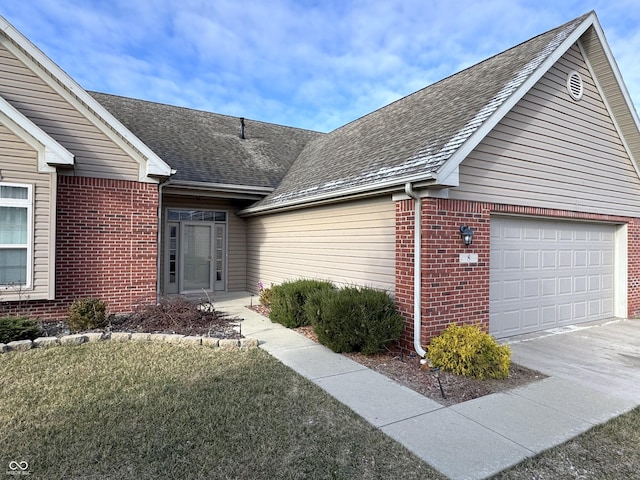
{"points": [[417, 270], [308, 198]]}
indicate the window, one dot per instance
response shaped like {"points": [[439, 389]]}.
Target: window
{"points": [[15, 234]]}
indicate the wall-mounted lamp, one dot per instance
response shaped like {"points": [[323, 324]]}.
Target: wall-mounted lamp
{"points": [[467, 235]]}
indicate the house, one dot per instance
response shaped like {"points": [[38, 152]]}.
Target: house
{"points": [[532, 152]]}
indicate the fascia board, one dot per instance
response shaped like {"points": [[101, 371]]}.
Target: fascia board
{"points": [[62, 83], [613, 65], [616, 71], [339, 195], [489, 124], [50, 152]]}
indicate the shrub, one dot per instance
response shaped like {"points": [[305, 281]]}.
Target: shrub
{"points": [[288, 301], [467, 350], [177, 314], [18, 328], [87, 314], [355, 319], [265, 296]]}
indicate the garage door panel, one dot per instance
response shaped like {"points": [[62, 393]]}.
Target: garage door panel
{"points": [[546, 273], [531, 317], [549, 287], [565, 259], [549, 259], [549, 316], [531, 259], [564, 286]]}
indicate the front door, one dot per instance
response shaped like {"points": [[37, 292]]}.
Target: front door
{"points": [[196, 257], [195, 251]]}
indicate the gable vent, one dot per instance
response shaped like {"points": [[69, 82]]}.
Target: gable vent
{"points": [[575, 85]]}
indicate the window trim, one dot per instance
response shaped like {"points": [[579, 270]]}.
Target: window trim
{"points": [[28, 204]]}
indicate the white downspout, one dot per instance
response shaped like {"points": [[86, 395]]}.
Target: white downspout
{"points": [[417, 270], [161, 185]]}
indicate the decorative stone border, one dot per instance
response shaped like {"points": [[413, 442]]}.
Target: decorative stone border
{"points": [[80, 338]]}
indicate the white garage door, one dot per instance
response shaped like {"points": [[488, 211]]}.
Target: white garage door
{"points": [[547, 273]]}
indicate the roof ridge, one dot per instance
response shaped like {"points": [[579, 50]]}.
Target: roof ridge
{"points": [[196, 110]]}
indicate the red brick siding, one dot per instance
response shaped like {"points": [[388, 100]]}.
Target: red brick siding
{"points": [[106, 245], [455, 292]]}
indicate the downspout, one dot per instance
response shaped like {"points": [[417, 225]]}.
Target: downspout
{"points": [[159, 236], [417, 270]]}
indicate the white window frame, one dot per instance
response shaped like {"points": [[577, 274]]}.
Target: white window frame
{"points": [[28, 204]]}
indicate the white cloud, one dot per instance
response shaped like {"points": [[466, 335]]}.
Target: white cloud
{"points": [[310, 64]]}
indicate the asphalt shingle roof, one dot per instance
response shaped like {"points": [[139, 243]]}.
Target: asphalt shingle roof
{"points": [[416, 134], [206, 147], [410, 138]]}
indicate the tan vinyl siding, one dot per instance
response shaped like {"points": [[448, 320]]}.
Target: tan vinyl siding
{"points": [[236, 236], [349, 243], [19, 164], [95, 154], [553, 152]]}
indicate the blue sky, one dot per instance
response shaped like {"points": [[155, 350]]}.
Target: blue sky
{"points": [[305, 63]]}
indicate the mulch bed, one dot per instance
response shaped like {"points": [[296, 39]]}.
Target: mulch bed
{"points": [[407, 370], [176, 316]]}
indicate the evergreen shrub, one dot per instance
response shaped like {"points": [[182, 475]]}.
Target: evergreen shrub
{"points": [[467, 350], [18, 328], [355, 319], [87, 314], [288, 301]]}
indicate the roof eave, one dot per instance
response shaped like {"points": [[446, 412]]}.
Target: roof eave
{"points": [[246, 192], [342, 195], [50, 153]]}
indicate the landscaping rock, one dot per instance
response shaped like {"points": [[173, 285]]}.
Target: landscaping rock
{"points": [[210, 342], [3, 348], [191, 340], [173, 338], [247, 343], [76, 339], [228, 344], [45, 342], [20, 345], [141, 337], [95, 337], [157, 337], [120, 336]]}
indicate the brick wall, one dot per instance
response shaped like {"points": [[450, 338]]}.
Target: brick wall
{"points": [[106, 245], [459, 292]]}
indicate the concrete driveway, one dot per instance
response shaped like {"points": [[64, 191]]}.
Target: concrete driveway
{"points": [[604, 355]]}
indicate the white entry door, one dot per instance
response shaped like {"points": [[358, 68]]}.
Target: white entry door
{"points": [[547, 273]]}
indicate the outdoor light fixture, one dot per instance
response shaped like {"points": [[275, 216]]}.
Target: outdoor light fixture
{"points": [[467, 235]]}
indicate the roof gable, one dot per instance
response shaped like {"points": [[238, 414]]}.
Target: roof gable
{"points": [[50, 153], [425, 136], [64, 85]]}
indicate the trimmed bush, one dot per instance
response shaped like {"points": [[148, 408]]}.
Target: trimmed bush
{"points": [[288, 301], [87, 314], [467, 350], [18, 328], [355, 319]]}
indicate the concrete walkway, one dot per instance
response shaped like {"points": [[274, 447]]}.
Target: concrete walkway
{"points": [[471, 440]]}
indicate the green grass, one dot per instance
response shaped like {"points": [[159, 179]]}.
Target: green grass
{"points": [[152, 411], [610, 451]]}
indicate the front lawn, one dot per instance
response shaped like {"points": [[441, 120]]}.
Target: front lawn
{"points": [[149, 411]]}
